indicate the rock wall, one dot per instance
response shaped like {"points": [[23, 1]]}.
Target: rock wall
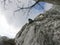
{"points": [[44, 30], [6, 41], [57, 2]]}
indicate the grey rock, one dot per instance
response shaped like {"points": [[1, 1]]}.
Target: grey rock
{"points": [[6, 41], [50, 1], [44, 30]]}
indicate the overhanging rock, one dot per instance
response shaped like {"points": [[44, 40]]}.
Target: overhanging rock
{"points": [[44, 30]]}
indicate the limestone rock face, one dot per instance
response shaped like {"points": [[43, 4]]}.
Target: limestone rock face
{"points": [[44, 30]]}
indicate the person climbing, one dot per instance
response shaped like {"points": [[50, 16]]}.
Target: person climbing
{"points": [[30, 20]]}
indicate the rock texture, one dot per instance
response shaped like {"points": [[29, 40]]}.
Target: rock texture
{"points": [[50, 1], [6, 41], [44, 30]]}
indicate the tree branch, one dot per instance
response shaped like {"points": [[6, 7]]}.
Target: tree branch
{"points": [[27, 7]]}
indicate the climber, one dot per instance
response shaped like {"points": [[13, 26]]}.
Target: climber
{"points": [[30, 20]]}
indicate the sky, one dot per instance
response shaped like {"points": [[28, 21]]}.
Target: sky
{"points": [[10, 22]]}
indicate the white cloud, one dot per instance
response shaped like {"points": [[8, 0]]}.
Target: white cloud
{"points": [[6, 29], [8, 23]]}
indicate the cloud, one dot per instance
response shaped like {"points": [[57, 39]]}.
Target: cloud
{"points": [[6, 29], [10, 24]]}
